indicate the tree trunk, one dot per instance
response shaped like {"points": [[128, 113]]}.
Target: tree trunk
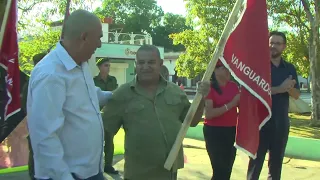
{"points": [[315, 74], [308, 85]]}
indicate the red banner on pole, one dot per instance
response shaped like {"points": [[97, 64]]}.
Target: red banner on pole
{"points": [[9, 61], [247, 56]]}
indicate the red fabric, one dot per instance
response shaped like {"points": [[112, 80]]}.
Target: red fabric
{"points": [[9, 61], [219, 63], [228, 119], [247, 56]]}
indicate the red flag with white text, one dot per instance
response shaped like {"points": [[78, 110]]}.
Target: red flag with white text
{"points": [[9, 61], [247, 56]]}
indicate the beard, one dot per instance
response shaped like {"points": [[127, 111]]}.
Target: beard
{"points": [[275, 53]]}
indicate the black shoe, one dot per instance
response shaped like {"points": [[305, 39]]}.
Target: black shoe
{"points": [[110, 170]]}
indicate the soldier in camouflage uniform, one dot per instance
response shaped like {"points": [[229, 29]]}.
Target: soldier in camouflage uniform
{"points": [[107, 83]]}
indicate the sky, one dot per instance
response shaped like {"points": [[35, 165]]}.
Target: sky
{"points": [[173, 6]]}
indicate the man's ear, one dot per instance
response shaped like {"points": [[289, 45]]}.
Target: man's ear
{"points": [[161, 62]]}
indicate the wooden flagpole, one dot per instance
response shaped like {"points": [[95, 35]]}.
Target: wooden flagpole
{"points": [[4, 21], [198, 97]]}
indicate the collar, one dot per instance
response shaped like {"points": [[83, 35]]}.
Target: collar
{"points": [[99, 77], [282, 63], [134, 82], [65, 58]]}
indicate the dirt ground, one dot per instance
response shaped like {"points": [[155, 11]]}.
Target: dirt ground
{"points": [[198, 167]]}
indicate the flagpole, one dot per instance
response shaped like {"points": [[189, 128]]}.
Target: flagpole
{"points": [[66, 14], [4, 21], [206, 77]]}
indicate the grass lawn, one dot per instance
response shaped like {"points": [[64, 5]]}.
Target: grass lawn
{"points": [[300, 126], [119, 142], [118, 149]]}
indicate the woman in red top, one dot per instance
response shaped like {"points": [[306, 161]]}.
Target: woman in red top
{"points": [[220, 122]]}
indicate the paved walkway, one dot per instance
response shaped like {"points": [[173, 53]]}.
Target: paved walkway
{"points": [[198, 167]]}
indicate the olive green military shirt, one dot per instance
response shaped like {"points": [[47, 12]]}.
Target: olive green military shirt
{"points": [[110, 84], [151, 125]]}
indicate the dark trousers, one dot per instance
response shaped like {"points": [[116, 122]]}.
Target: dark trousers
{"points": [[275, 141], [221, 150], [108, 149], [30, 161], [96, 177]]}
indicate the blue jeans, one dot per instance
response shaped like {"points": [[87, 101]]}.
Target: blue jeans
{"points": [[96, 177]]}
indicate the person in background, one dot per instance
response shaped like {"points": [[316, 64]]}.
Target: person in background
{"points": [[151, 111], [274, 134], [220, 122], [106, 82], [164, 72], [64, 120]]}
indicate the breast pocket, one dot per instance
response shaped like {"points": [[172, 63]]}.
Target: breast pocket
{"points": [[135, 112], [174, 105]]}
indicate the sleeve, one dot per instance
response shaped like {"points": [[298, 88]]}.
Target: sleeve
{"points": [[103, 96], [112, 115], [295, 77], [45, 119], [186, 105]]}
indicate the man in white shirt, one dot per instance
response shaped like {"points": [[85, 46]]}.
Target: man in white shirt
{"points": [[64, 120]]}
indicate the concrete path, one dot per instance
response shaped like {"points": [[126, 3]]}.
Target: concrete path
{"points": [[198, 167]]}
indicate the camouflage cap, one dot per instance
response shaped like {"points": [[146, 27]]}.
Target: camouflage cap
{"points": [[102, 60]]}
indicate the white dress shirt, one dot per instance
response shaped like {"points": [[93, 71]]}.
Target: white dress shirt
{"points": [[64, 120]]}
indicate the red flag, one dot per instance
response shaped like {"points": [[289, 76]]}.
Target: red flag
{"points": [[247, 56], [9, 61]]}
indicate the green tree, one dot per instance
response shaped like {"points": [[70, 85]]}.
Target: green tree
{"points": [[32, 45], [137, 16], [34, 15], [208, 19], [297, 53], [171, 23]]}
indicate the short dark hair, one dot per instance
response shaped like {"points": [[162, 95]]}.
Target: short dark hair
{"points": [[147, 47], [36, 58], [278, 33]]}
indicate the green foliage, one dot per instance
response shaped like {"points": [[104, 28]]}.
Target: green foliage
{"points": [[297, 53], [38, 14], [194, 60], [31, 46], [172, 23], [144, 17], [137, 15], [208, 18]]}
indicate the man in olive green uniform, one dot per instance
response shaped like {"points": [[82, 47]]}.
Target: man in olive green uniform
{"points": [[151, 111], [36, 58], [106, 83]]}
